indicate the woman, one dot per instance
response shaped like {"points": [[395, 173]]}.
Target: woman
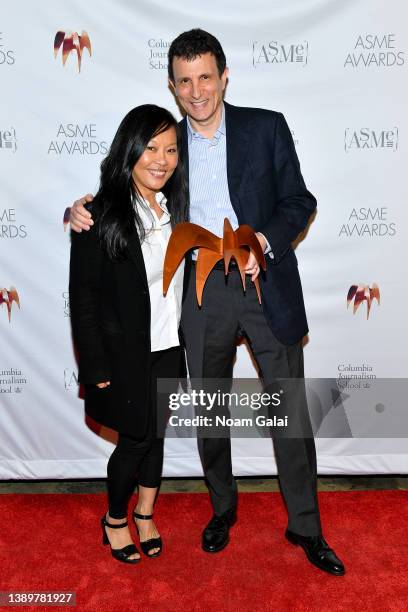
{"points": [[125, 331]]}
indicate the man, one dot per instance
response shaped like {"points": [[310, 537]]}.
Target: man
{"points": [[242, 165]]}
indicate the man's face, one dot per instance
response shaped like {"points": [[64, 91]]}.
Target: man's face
{"points": [[198, 86]]}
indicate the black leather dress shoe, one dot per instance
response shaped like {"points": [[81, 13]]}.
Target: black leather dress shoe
{"points": [[318, 552], [216, 535]]}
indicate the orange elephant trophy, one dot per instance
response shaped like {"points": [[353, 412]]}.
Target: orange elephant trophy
{"points": [[234, 244]]}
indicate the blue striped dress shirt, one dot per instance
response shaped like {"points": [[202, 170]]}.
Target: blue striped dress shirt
{"points": [[209, 196]]}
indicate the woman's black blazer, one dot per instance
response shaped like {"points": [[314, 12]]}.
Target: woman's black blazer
{"points": [[110, 315]]}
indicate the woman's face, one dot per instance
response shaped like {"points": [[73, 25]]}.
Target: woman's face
{"points": [[156, 164]]}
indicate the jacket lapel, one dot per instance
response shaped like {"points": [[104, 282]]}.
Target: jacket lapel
{"points": [[238, 132], [136, 255]]}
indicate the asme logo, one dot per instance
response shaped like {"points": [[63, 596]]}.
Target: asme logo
{"points": [[273, 52], [71, 41], [367, 138], [375, 50], [8, 139]]}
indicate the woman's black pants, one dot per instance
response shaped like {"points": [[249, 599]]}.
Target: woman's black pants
{"points": [[140, 460]]}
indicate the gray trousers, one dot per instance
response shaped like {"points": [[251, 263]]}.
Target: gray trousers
{"points": [[210, 333]]}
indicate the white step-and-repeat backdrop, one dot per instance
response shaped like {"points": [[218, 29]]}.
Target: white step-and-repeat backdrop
{"points": [[337, 70]]}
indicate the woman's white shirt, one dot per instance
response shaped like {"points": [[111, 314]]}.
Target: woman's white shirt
{"points": [[165, 311]]}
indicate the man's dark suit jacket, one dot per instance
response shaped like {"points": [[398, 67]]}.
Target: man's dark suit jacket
{"points": [[268, 193]]}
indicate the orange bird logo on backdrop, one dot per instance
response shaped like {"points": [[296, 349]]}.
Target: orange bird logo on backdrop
{"points": [[65, 219], [363, 293], [71, 41], [7, 297]]}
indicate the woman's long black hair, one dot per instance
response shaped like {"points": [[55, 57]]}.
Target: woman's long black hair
{"points": [[117, 189]]}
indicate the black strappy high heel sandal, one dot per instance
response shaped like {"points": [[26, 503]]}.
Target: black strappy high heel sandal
{"points": [[121, 554], [148, 545]]}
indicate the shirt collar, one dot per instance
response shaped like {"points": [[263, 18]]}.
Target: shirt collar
{"points": [[161, 200], [193, 134]]}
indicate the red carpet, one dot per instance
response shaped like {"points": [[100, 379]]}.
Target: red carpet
{"points": [[52, 542]]}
